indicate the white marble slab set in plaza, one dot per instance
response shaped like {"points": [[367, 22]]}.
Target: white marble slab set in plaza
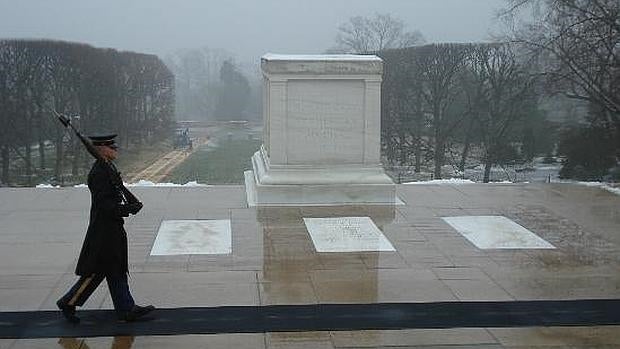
{"points": [[343, 234], [181, 237], [346, 234], [321, 138], [340, 234], [496, 232]]}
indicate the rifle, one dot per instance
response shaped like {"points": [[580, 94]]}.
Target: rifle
{"points": [[127, 196]]}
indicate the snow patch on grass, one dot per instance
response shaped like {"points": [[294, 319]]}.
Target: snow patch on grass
{"points": [[141, 183], [46, 186], [144, 183], [601, 185], [443, 181]]}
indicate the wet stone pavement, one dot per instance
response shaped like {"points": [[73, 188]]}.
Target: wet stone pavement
{"points": [[274, 261]]}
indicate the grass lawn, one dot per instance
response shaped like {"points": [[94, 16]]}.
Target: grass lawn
{"points": [[221, 164]]}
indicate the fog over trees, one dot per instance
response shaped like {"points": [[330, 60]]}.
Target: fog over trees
{"points": [[446, 99], [577, 45], [546, 86]]}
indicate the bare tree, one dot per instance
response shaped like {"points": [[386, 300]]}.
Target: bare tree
{"points": [[6, 85], [22, 62], [403, 118], [502, 88], [365, 34], [439, 66], [197, 73], [233, 93], [579, 41]]}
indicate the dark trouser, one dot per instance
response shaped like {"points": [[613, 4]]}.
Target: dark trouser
{"points": [[86, 285]]}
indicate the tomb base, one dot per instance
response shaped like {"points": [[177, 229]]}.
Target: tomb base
{"points": [[312, 186]]}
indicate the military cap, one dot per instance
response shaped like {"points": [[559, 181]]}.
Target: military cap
{"points": [[107, 139]]}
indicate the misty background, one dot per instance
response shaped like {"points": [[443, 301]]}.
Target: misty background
{"points": [[247, 29], [214, 48], [488, 90]]}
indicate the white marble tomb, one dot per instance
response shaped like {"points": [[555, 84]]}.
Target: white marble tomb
{"points": [[321, 138]]}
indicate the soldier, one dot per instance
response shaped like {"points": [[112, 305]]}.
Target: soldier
{"points": [[104, 251]]}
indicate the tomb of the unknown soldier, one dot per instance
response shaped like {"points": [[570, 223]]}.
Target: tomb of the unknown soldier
{"points": [[321, 133]]}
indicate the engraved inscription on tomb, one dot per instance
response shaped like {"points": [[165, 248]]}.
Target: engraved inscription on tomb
{"points": [[325, 121]]}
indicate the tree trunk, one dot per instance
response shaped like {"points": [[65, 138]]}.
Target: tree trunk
{"points": [[58, 166], [440, 143], [76, 158], [402, 151], [418, 155], [487, 172], [29, 164], [5, 164], [465, 154], [440, 148], [28, 144], [41, 150]]}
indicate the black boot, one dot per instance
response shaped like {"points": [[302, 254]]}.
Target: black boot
{"points": [[68, 311], [135, 313]]}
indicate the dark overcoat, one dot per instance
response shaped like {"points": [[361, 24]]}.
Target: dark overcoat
{"points": [[104, 250]]}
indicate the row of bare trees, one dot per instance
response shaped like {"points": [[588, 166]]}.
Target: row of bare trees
{"points": [[447, 101], [442, 98], [122, 92]]}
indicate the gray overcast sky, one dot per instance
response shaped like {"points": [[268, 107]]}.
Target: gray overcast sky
{"points": [[247, 28]]}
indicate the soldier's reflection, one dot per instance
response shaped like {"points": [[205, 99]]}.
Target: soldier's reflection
{"points": [[120, 342]]}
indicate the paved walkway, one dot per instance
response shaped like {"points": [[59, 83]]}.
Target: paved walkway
{"points": [[158, 170], [274, 262]]}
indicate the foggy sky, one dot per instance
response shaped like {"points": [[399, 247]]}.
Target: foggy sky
{"points": [[246, 28]]}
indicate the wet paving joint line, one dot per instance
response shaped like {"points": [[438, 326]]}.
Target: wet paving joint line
{"points": [[316, 317]]}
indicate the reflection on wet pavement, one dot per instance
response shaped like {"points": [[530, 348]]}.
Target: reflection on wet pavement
{"points": [[120, 342], [293, 272]]}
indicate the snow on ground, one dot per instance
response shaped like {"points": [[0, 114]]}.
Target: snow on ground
{"points": [[444, 181], [141, 183], [601, 185], [335, 57], [47, 186], [455, 181]]}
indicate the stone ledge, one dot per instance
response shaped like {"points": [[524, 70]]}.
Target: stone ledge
{"points": [[317, 195]]}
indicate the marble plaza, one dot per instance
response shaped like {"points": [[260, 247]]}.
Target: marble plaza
{"points": [[320, 249], [260, 256]]}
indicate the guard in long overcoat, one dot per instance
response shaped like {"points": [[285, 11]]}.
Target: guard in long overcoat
{"points": [[104, 251]]}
